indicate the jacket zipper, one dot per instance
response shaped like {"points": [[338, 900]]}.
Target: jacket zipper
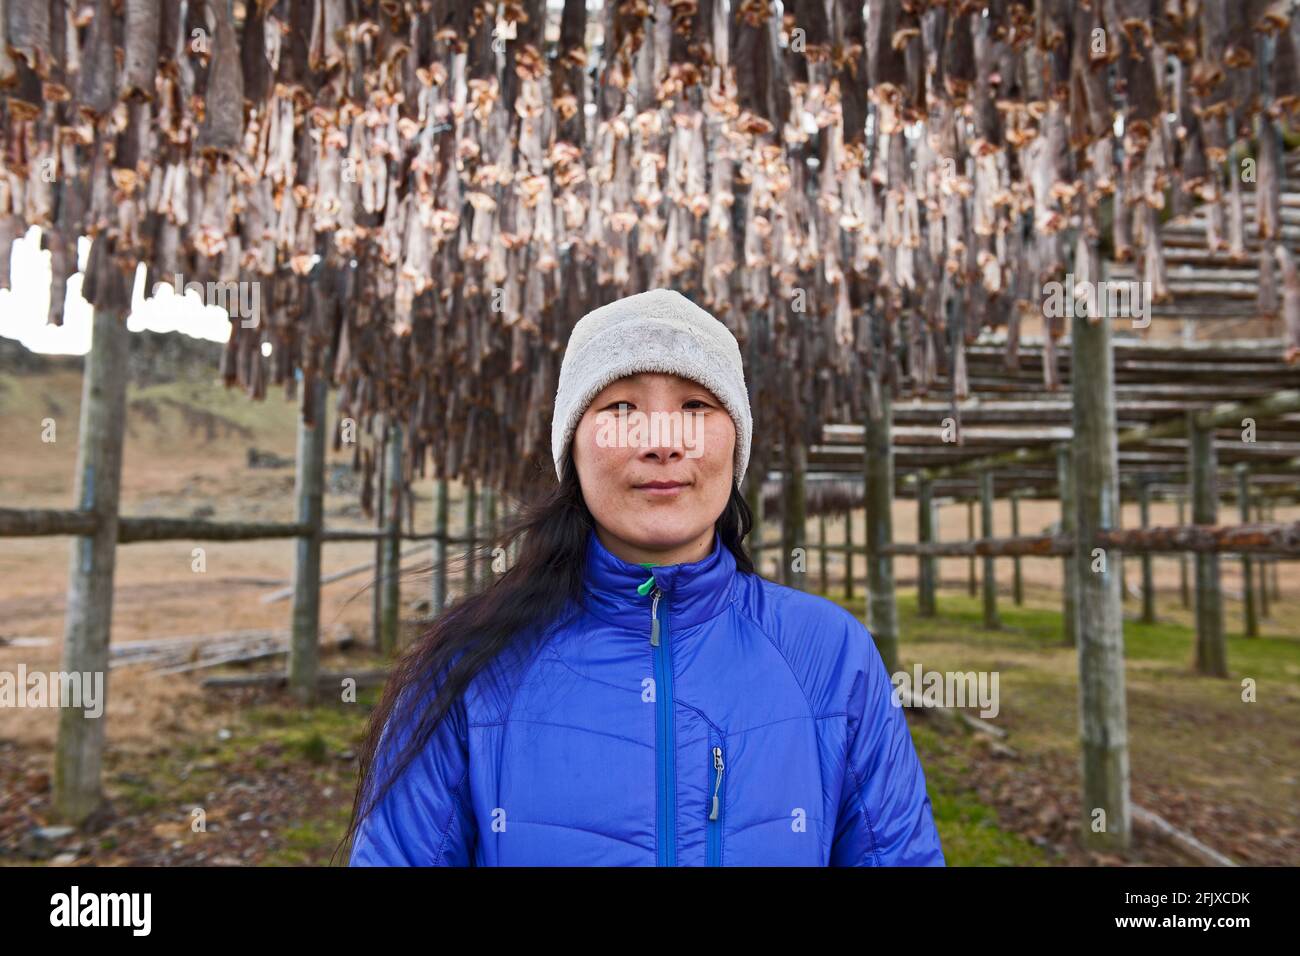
{"points": [[713, 840], [665, 796]]}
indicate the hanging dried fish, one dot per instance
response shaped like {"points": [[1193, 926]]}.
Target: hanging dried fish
{"points": [[143, 19], [27, 33], [97, 91], [223, 120], [907, 178]]}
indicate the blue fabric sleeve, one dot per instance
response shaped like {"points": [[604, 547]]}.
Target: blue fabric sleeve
{"points": [[424, 819], [885, 817]]}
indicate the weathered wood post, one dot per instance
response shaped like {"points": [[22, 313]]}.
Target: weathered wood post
{"points": [[925, 604], [882, 608], [1069, 577], [849, 556], [794, 545], [1148, 578], [1264, 566], [79, 751], [754, 498], [471, 533], [487, 521], [991, 620], [821, 555], [438, 596], [494, 514], [1247, 565], [1017, 582], [381, 523], [309, 489], [1184, 590], [510, 515], [970, 536], [390, 619], [1277, 571], [1211, 650], [1120, 563], [1099, 618]]}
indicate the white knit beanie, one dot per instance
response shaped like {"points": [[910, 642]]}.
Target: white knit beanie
{"points": [[656, 331]]}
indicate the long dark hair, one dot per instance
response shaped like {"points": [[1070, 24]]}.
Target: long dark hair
{"points": [[545, 583]]}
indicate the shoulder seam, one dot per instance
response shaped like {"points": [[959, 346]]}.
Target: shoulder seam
{"points": [[797, 682], [803, 690]]}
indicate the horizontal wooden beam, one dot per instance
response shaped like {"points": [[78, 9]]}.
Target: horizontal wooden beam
{"points": [[1219, 416], [46, 522], [132, 530], [1276, 539], [43, 522]]}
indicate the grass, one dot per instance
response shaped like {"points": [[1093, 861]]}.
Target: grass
{"points": [[968, 829], [1192, 738], [182, 404]]}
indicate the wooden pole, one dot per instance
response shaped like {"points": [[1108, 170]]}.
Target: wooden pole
{"points": [[821, 551], [79, 751], [487, 521], [1277, 571], [882, 608], [1264, 610], [1120, 563], [848, 554], [990, 576], [1070, 579], [471, 532], [1184, 590], [438, 599], [970, 534], [794, 560], [925, 565], [1211, 650], [309, 489], [390, 613], [1017, 581], [754, 498], [1148, 578], [1105, 806], [1247, 564], [381, 523]]}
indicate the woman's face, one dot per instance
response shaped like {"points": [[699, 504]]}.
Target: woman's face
{"points": [[654, 455]]}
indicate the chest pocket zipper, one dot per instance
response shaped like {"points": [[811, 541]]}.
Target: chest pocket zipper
{"points": [[713, 841]]}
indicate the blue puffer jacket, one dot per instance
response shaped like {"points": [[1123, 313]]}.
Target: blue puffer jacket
{"points": [[709, 717]]}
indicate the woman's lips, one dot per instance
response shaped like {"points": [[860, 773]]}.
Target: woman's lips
{"points": [[661, 488]]}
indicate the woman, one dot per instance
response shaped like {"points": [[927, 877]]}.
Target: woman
{"points": [[631, 692]]}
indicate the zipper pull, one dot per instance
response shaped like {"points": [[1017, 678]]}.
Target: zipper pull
{"points": [[717, 782], [654, 618]]}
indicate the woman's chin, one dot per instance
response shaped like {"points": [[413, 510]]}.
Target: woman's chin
{"points": [[661, 538]]}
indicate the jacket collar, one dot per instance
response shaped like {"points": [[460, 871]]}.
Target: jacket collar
{"points": [[692, 593]]}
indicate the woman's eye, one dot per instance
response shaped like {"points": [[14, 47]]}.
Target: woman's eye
{"points": [[697, 403], [621, 407]]}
